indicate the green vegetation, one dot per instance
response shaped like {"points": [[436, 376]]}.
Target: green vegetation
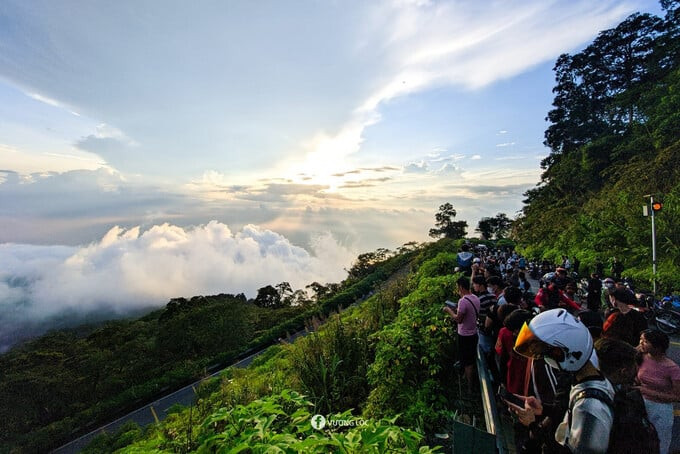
{"points": [[614, 139], [70, 381], [386, 363], [67, 379], [445, 226]]}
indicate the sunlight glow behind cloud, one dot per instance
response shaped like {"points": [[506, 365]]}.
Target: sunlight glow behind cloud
{"points": [[342, 126]]}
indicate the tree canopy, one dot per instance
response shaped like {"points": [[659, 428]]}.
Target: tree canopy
{"points": [[445, 226], [613, 138], [496, 227]]}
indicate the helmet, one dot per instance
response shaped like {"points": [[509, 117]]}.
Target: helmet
{"points": [[476, 260], [548, 277], [609, 282], [558, 337]]}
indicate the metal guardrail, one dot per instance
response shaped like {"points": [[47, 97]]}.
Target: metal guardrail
{"points": [[491, 416]]}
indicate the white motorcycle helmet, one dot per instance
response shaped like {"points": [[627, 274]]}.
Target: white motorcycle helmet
{"points": [[558, 337]]}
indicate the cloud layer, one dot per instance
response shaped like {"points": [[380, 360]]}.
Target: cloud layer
{"points": [[132, 269], [249, 85]]}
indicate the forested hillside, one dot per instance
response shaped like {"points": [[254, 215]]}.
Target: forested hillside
{"points": [[70, 381], [613, 139], [384, 366]]}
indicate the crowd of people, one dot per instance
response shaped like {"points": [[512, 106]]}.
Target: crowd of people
{"points": [[579, 375]]}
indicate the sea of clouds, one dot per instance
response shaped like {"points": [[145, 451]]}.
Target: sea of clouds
{"points": [[129, 271]]}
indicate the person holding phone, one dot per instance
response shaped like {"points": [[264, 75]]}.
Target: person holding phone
{"points": [[565, 344], [465, 315]]}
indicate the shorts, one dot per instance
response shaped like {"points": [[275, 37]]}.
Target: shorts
{"points": [[467, 349]]}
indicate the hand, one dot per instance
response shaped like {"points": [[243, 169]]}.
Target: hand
{"points": [[449, 311], [527, 415], [534, 404]]}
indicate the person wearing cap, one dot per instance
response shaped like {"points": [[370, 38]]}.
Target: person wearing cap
{"points": [[608, 285], [561, 278], [477, 268], [565, 344], [624, 322]]}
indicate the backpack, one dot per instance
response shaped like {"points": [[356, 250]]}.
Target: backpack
{"points": [[632, 432], [464, 259]]}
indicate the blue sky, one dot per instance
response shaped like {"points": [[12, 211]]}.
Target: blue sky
{"points": [[312, 119]]}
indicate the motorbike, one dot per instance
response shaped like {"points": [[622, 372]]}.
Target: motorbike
{"points": [[665, 313]]}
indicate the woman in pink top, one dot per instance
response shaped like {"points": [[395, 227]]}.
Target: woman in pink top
{"points": [[465, 315], [659, 379]]}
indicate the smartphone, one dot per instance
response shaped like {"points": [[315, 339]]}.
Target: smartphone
{"points": [[511, 398], [452, 305]]}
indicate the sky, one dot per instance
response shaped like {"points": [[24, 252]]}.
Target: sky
{"points": [[145, 146]]}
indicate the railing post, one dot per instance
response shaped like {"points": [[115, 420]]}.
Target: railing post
{"points": [[493, 422]]}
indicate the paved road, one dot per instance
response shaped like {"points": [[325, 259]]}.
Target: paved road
{"points": [[674, 354], [155, 410]]}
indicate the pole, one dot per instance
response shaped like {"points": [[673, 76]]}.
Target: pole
{"points": [[651, 205]]}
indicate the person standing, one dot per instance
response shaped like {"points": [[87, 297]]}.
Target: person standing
{"points": [[497, 287], [465, 315], [487, 301], [566, 345], [599, 268], [624, 322], [659, 378], [594, 298]]}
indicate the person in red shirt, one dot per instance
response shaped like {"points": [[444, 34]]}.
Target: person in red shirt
{"points": [[551, 297], [516, 363]]}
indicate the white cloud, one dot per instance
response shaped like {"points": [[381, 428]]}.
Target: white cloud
{"points": [[448, 169], [416, 167], [276, 96], [475, 157], [132, 269], [44, 99], [505, 144], [434, 44]]}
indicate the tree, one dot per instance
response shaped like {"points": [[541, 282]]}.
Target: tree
{"points": [[445, 225], [485, 228], [285, 294], [300, 298], [268, 297], [496, 227], [502, 225], [319, 290], [366, 263]]}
